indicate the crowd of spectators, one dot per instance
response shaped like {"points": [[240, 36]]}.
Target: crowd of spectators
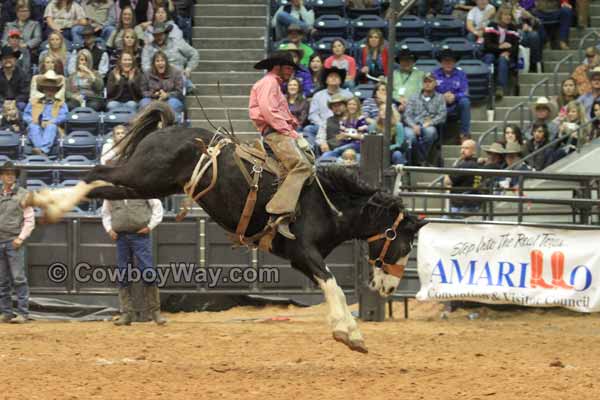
{"points": [[58, 55]]}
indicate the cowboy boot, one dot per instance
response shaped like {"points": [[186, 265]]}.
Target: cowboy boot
{"points": [[537, 267], [558, 268], [126, 307], [152, 300], [283, 225]]}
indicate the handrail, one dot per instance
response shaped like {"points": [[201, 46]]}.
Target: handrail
{"points": [[483, 198], [557, 70], [537, 85], [484, 135], [582, 42], [520, 106]]}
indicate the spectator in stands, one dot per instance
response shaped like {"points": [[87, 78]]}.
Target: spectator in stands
{"points": [[340, 59], [512, 133], [429, 8], [501, 48], [512, 155], [371, 105], [544, 112], [327, 138], [399, 146], [459, 9], [595, 115], [11, 120], [110, 149], [295, 36], [464, 184], [44, 115], [100, 59], [539, 139], [408, 80], [548, 11], [164, 83], [298, 105], [7, 11], [30, 30], [17, 224], [13, 81], [129, 223], [453, 85], [161, 16], [531, 32], [48, 62], [568, 93], [85, 87], [293, 13], [374, 56], [588, 99], [495, 157], [98, 14], [478, 18], [332, 79], [67, 17], [56, 48], [180, 54], [131, 45], [425, 111], [125, 84], [352, 130], [126, 21], [576, 125], [581, 73], [301, 73], [142, 10], [184, 11], [315, 67], [14, 42]]}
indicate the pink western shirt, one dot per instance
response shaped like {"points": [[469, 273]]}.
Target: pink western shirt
{"points": [[28, 217]]}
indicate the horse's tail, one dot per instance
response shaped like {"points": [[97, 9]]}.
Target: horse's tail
{"points": [[156, 115]]}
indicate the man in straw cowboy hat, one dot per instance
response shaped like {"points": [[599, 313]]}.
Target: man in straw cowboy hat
{"points": [[17, 224], [44, 115], [271, 116], [301, 73], [544, 111]]}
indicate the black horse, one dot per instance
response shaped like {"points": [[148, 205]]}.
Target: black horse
{"points": [[158, 162]]}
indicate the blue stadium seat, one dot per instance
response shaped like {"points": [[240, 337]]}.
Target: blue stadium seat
{"points": [[10, 144], [445, 26], [462, 47], [118, 116], [478, 75], [364, 91], [357, 12], [427, 65], [331, 25], [364, 23], [4, 159], [35, 184], [323, 45], [80, 143], [410, 26], [327, 7], [83, 119], [47, 176], [422, 48], [71, 174]]}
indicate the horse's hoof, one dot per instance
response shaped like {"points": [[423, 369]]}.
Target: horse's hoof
{"points": [[358, 345], [342, 337]]}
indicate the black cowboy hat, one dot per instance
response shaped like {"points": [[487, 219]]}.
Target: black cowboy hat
{"points": [[278, 57], [405, 52], [447, 52], [8, 51], [9, 166], [332, 70]]}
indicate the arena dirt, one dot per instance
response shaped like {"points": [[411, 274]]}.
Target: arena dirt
{"points": [[245, 353]]}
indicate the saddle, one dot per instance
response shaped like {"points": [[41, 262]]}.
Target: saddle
{"points": [[255, 153]]}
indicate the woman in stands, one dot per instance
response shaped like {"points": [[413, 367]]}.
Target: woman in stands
{"points": [[374, 56], [162, 16], [131, 45], [127, 21], [48, 62], [501, 47], [125, 84], [11, 119], [297, 103], [164, 83], [595, 116], [343, 61], [399, 145], [576, 125], [67, 17], [568, 93], [315, 66], [513, 134], [85, 87], [370, 107], [56, 47]]}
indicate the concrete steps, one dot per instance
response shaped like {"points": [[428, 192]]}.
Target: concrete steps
{"points": [[215, 101], [229, 21], [224, 9], [252, 55], [228, 31], [228, 43]]}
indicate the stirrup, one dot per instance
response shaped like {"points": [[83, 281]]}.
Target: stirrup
{"points": [[282, 223]]}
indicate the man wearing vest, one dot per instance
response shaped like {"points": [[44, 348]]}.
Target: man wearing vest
{"points": [[17, 224], [129, 223]]}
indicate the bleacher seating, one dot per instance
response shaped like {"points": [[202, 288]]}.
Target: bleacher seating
{"points": [[83, 119], [35, 184], [10, 145], [421, 47], [445, 26], [45, 175], [462, 47], [357, 12], [364, 23], [327, 7], [118, 116], [410, 26], [80, 143], [364, 91], [331, 25], [427, 65], [71, 174], [479, 76]]}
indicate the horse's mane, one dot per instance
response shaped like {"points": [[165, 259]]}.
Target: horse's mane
{"points": [[343, 183]]}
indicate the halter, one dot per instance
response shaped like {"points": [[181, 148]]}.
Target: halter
{"points": [[389, 235]]}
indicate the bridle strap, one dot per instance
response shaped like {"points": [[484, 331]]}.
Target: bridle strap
{"points": [[396, 270]]}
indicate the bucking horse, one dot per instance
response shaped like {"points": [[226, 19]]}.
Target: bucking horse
{"points": [[157, 160]]}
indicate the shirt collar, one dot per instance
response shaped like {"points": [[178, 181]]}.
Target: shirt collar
{"points": [[274, 75], [9, 191]]}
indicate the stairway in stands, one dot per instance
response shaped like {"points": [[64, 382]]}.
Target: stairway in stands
{"points": [[230, 36]]}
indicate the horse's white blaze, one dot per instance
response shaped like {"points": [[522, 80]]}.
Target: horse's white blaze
{"points": [[337, 317], [384, 283]]}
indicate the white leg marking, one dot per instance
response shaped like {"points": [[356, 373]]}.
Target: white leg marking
{"points": [[354, 332], [337, 318]]}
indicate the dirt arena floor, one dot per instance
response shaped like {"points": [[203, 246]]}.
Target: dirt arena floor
{"points": [[288, 353]]}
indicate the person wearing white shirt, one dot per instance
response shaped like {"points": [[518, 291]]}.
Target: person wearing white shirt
{"points": [[477, 19]]}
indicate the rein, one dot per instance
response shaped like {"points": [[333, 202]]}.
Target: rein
{"points": [[390, 234]]}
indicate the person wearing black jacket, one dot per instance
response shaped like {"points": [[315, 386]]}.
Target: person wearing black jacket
{"points": [[501, 47], [464, 184], [14, 83]]}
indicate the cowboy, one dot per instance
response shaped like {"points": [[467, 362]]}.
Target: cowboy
{"points": [[44, 115], [271, 116], [512, 155], [100, 59], [407, 80], [544, 111], [295, 36], [301, 73], [17, 224], [452, 83], [14, 83], [334, 129]]}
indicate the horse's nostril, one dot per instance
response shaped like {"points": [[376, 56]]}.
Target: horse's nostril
{"points": [[390, 290]]}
